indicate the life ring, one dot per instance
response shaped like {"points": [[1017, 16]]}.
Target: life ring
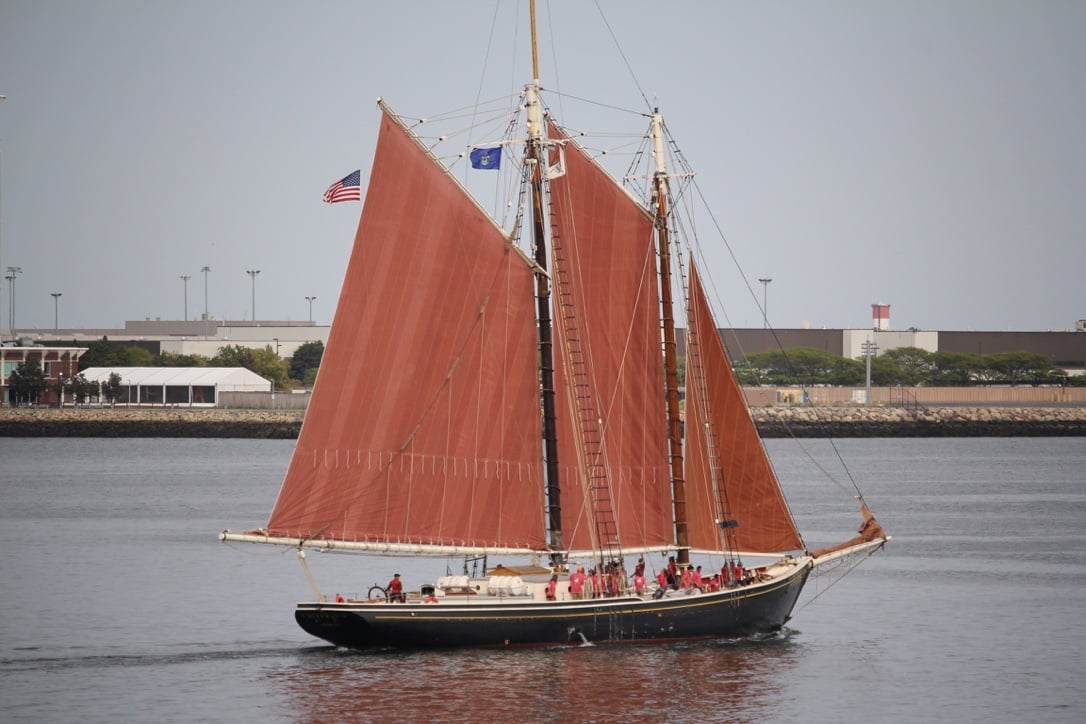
{"points": [[382, 594]]}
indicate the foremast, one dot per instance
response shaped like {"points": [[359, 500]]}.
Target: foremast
{"points": [[671, 374], [535, 165]]}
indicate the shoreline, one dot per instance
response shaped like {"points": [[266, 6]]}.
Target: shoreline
{"points": [[811, 421]]}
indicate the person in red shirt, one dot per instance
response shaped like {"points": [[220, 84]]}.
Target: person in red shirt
{"points": [[576, 583], [395, 590], [639, 583], [597, 583], [672, 572], [552, 585], [695, 579]]}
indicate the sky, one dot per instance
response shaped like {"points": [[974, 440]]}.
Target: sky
{"points": [[926, 155]]}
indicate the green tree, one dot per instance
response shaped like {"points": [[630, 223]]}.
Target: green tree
{"points": [[136, 357], [847, 372], [1022, 368], [26, 382], [264, 362], [101, 353], [306, 358], [111, 388], [953, 369], [169, 359], [82, 388], [914, 366], [104, 353]]}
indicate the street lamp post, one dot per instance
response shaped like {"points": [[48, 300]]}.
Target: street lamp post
{"points": [[56, 314], [185, 280], [2, 99], [310, 300], [12, 271], [252, 275], [205, 270], [765, 310]]}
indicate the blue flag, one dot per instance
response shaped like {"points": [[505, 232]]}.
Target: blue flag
{"points": [[486, 158]]}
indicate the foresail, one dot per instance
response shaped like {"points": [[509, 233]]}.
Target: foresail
{"points": [[608, 356], [423, 427], [718, 424]]}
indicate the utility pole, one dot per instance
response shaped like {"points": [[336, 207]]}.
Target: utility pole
{"points": [[870, 349], [56, 315]]}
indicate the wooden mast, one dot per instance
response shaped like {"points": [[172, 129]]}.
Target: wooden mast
{"points": [[674, 424], [536, 158]]}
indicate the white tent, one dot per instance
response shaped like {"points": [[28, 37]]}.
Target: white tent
{"points": [[178, 385]]}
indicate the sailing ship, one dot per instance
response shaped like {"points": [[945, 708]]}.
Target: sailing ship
{"points": [[480, 396]]}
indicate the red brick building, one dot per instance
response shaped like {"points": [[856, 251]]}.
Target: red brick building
{"points": [[55, 362]]}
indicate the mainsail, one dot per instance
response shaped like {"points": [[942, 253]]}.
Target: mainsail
{"points": [[608, 361], [423, 427]]}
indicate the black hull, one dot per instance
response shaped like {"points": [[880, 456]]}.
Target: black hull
{"points": [[736, 613]]}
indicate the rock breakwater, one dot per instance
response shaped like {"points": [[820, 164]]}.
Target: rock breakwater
{"points": [[778, 421]]}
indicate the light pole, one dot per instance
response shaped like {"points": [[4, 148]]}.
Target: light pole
{"points": [[205, 270], [765, 311], [252, 275], [2, 99], [56, 315], [185, 280], [12, 271], [310, 300]]}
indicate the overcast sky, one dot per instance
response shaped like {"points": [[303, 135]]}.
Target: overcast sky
{"points": [[928, 155]]}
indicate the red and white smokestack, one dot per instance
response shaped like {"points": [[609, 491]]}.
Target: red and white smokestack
{"points": [[880, 317]]}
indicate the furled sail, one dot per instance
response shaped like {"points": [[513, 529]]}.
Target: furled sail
{"points": [[424, 424], [719, 428], [608, 356]]}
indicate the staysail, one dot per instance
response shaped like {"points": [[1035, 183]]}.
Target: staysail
{"points": [[742, 487], [423, 427], [608, 359]]}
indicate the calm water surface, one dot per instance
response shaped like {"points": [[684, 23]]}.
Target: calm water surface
{"points": [[119, 603]]}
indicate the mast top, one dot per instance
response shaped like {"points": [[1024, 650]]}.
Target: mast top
{"points": [[535, 48]]}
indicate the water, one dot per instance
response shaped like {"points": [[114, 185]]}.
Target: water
{"points": [[119, 604]]}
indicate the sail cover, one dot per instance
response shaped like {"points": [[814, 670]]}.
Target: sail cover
{"points": [[607, 332], [719, 425], [424, 424]]}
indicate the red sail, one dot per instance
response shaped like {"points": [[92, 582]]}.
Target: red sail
{"points": [[607, 332], [715, 407], [424, 424]]}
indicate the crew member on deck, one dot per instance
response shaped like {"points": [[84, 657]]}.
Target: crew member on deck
{"points": [[552, 585], [576, 583], [395, 590]]}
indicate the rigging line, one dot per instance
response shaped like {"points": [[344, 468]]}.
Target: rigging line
{"points": [[849, 569], [633, 75], [486, 59], [599, 104]]}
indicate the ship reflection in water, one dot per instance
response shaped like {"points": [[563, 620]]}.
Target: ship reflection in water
{"points": [[689, 681]]}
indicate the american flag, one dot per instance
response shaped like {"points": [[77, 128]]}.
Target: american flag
{"points": [[346, 189]]}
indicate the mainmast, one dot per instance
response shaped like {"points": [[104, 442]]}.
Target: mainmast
{"points": [[671, 374], [535, 161]]}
